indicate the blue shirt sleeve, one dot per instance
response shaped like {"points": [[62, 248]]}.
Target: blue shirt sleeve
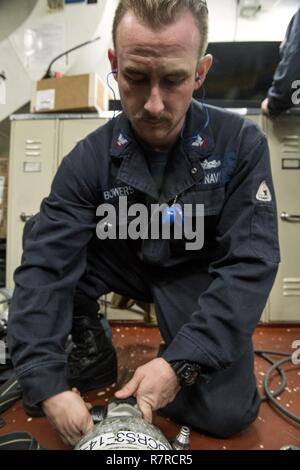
{"points": [[54, 258], [228, 311]]}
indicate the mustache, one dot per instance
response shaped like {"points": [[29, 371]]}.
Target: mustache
{"points": [[152, 119]]}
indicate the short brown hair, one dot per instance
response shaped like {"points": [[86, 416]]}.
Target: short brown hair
{"points": [[157, 13]]}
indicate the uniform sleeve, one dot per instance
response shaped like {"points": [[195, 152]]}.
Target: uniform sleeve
{"points": [[229, 310], [54, 258], [288, 70]]}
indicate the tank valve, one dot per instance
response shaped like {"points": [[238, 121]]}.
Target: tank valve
{"points": [[182, 440]]}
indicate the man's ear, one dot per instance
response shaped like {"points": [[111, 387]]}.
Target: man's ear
{"points": [[113, 61], [202, 70]]}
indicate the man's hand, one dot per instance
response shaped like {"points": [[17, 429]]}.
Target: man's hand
{"points": [[69, 415], [265, 107], [154, 385]]}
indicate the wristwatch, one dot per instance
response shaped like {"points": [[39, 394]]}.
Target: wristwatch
{"points": [[187, 372]]}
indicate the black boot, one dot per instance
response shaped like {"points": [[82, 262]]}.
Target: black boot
{"points": [[92, 360]]}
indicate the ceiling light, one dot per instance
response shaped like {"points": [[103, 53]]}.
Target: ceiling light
{"points": [[249, 8]]}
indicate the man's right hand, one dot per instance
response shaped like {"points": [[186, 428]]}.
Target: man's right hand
{"points": [[69, 415]]}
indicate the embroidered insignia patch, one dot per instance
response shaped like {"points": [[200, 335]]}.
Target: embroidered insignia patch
{"points": [[122, 141], [198, 141], [206, 165], [263, 193]]}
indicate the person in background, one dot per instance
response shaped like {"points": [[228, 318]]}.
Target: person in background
{"points": [[287, 73]]}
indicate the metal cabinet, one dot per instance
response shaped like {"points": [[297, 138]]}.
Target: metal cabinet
{"points": [[256, 118], [32, 167], [71, 131], [37, 147], [283, 135], [284, 141]]}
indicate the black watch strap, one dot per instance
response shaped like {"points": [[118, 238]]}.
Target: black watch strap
{"points": [[187, 372]]}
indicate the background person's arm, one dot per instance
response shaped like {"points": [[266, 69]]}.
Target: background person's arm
{"points": [[287, 72]]}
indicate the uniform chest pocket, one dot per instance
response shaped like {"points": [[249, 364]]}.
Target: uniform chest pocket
{"points": [[212, 199]]}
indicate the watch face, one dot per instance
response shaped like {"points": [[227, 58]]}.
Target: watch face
{"points": [[188, 373]]}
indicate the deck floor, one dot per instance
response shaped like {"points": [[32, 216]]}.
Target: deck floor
{"points": [[136, 344]]}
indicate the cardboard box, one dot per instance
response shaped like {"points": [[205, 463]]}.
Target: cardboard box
{"points": [[71, 93]]}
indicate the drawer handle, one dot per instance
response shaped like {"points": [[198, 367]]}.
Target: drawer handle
{"points": [[25, 217], [290, 218]]}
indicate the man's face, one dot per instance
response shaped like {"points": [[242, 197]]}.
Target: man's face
{"points": [[156, 75]]}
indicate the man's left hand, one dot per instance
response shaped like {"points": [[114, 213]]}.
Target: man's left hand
{"points": [[154, 385]]}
